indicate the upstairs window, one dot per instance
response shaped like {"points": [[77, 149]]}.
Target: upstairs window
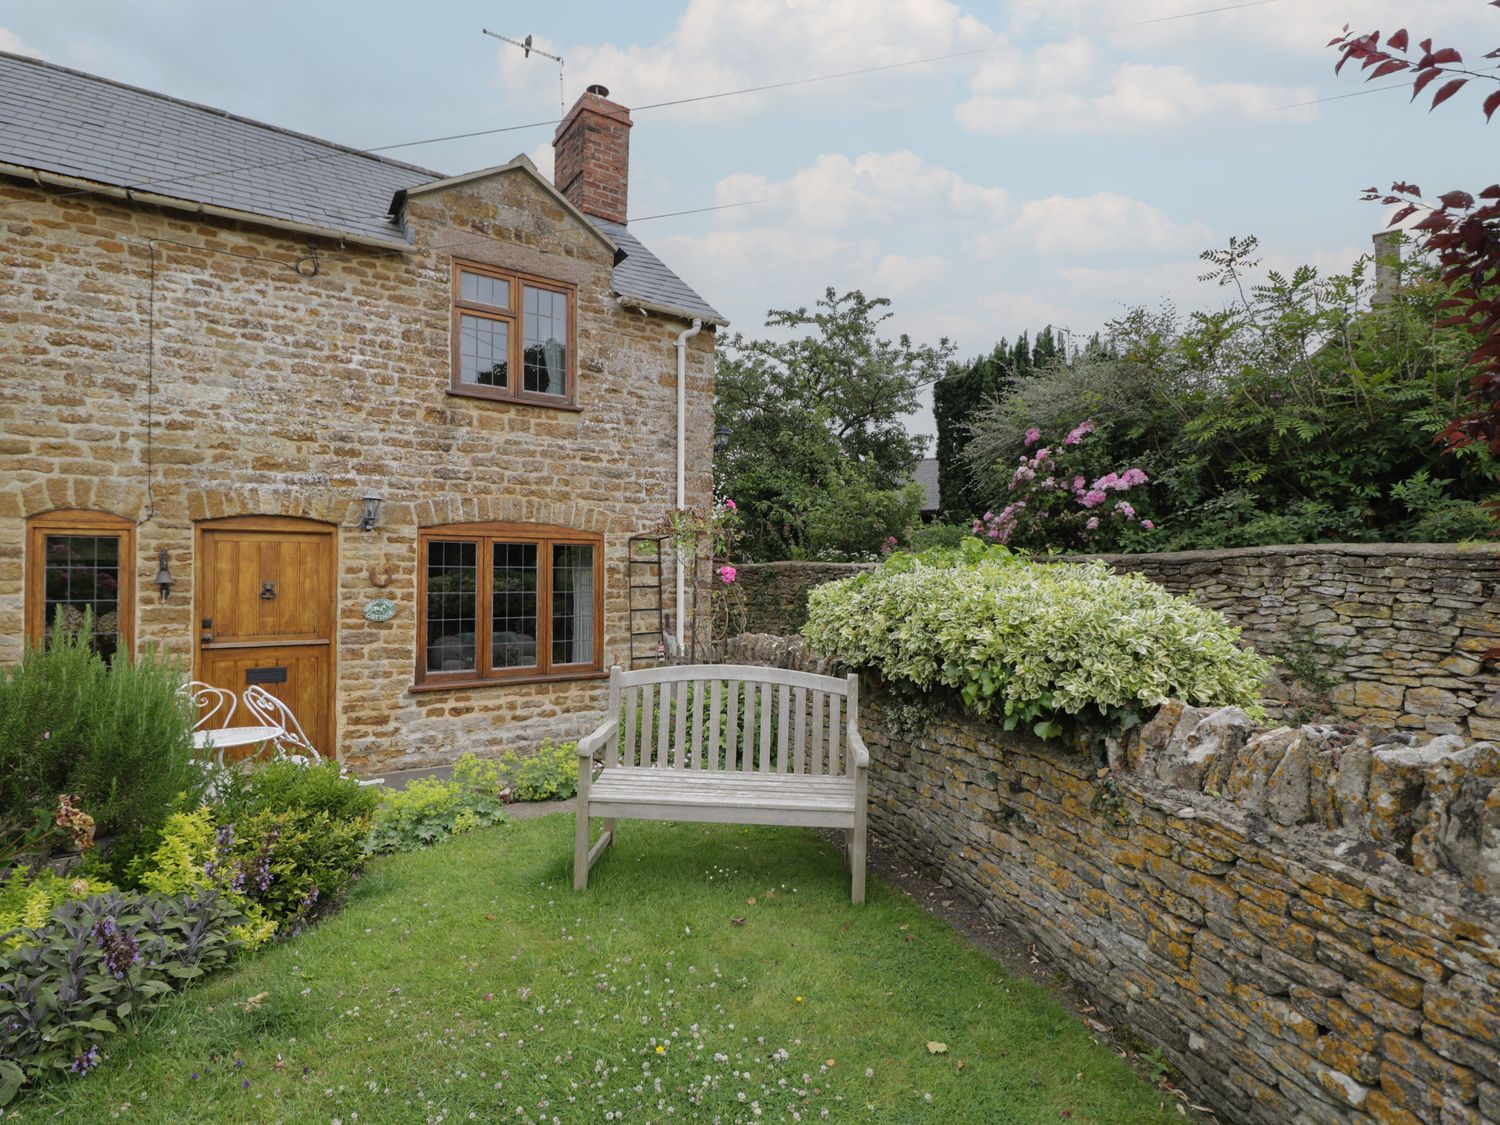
{"points": [[509, 601], [512, 336], [76, 562]]}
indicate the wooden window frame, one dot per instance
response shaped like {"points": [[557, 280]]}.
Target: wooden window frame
{"points": [[485, 536], [84, 522], [514, 317]]}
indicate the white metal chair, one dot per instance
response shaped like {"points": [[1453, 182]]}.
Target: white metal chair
{"points": [[215, 705], [292, 744]]}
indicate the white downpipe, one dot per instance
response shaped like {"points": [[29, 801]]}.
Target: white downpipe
{"points": [[682, 339]]}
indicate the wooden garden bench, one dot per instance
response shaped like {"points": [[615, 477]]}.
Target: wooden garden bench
{"points": [[728, 744]]}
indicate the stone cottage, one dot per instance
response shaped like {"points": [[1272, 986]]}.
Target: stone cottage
{"points": [[373, 437]]}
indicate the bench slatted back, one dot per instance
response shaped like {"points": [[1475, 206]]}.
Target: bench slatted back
{"points": [[733, 717]]}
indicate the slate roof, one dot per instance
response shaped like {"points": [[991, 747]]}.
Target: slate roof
{"points": [[927, 476], [66, 122], [642, 275]]}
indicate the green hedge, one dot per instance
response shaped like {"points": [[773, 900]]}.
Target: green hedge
{"points": [[1034, 643]]}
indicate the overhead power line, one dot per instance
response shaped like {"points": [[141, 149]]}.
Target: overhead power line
{"points": [[447, 137]]}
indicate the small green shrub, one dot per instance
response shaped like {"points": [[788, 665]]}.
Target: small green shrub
{"points": [[278, 866], [99, 962], [1034, 643], [27, 901], [930, 535], [550, 774], [115, 734], [246, 790], [428, 811], [193, 857]]}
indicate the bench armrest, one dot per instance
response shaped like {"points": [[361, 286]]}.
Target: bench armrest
{"points": [[590, 744], [858, 752]]}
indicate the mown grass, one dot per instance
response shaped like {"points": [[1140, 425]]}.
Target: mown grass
{"points": [[469, 982]]}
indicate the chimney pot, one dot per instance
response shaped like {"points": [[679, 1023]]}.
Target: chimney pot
{"points": [[591, 155]]}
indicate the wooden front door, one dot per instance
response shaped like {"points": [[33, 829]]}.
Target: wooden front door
{"points": [[265, 611]]}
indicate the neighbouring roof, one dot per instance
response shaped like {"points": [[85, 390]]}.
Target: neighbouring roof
{"points": [[61, 123], [927, 476]]}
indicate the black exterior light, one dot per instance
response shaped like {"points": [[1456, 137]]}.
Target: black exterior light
{"points": [[164, 577], [721, 438], [372, 511]]}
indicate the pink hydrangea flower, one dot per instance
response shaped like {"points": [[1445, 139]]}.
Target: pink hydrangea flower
{"points": [[727, 574], [1033, 436], [1079, 432]]}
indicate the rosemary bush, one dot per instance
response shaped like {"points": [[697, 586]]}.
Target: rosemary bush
{"points": [[115, 734]]}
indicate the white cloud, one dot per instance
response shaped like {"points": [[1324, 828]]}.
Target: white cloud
{"points": [[1304, 28], [1100, 223], [10, 41], [836, 191], [898, 274], [541, 156], [1132, 98], [719, 46]]}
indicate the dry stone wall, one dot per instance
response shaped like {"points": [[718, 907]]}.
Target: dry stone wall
{"points": [[1305, 922], [1401, 629]]}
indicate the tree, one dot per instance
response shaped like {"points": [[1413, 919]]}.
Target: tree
{"points": [[961, 395], [1461, 232], [815, 429]]}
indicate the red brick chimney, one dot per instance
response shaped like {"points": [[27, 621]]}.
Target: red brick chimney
{"points": [[591, 155]]}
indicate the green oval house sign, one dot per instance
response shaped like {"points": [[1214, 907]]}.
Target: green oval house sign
{"points": [[380, 609]]}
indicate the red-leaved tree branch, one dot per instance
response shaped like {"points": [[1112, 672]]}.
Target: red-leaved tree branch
{"points": [[1461, 231]]}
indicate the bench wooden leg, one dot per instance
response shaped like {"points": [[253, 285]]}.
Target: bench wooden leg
{"points": [[856, 839], [581, 850], [581, 829]]}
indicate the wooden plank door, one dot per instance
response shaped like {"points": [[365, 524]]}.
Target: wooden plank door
{"points": [[266, 612]]}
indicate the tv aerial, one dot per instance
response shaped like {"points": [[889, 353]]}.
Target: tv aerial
{"points": [[528, 50]]}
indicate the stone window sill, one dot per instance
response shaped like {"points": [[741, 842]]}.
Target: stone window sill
{"points": [[538, 678]]}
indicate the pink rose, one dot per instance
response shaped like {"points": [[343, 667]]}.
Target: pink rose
{"points": [[727, 574], [1148, 525], [730, 505], [1093, 524], [1033, 436]]}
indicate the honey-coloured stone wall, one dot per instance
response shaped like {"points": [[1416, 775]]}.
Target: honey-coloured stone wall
{"points": [[173, 369], [1290, 966], [1402, 629]]}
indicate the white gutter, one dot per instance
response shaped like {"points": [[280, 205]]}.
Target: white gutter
{"points": [[176, 203], [682, 338], [641, 305]]}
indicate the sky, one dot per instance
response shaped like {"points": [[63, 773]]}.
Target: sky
{"points": [[1070, 163]]}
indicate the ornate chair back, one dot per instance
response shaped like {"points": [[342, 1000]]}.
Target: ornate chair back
{"points": [[272, 712], [215, 704]]}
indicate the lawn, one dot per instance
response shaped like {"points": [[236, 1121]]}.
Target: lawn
{"points": [[711, 973]]}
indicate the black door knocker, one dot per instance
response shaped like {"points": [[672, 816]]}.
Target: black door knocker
{"points": [[267, 590]]}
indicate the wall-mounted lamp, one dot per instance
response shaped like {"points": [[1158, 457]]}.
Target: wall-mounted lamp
{"points": [[372, 511], [164, 577], [721, 438]]}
